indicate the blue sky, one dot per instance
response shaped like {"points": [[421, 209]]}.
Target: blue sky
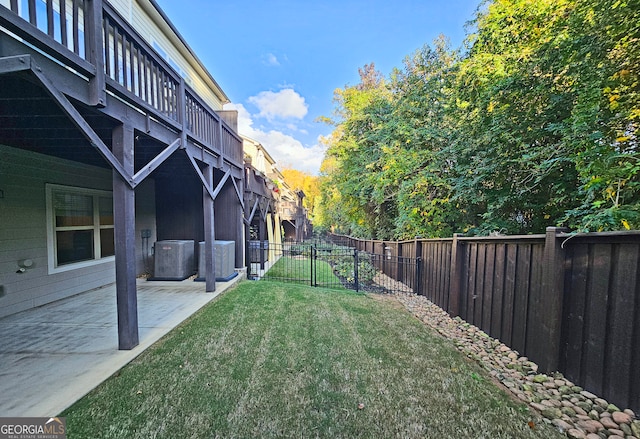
{"points": [[280, 61]]}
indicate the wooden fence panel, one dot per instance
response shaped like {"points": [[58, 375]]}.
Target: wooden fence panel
{"points": [[521, 298], [596, 316], [436, 272], [619, 347], [470, 287], [509, 294], [534, 343], [601, 317], [497, 305], [488, 292], [574, 309]]}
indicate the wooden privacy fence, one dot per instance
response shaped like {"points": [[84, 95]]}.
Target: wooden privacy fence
{"points": [[569, 302]]}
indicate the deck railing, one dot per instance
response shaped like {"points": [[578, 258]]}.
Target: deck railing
{"points": [[90, 37]]}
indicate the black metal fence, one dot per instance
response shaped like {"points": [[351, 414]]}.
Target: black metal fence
{"points": [[327, 265]]}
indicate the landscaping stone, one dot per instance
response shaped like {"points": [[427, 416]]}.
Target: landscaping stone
{"points": [[551, 413], [608, 423], [621, 418], [577, 412], [562, 425], [576, 434], [590, 426], [612, 408]]}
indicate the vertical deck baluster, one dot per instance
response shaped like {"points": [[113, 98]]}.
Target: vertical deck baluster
{"points": [[63, 23], [132, 61], [160, 103], [154, 84], [169, 87], [159, 88], [163, 92], [140, 64], [145, 78], [201, 122], [32, 12], [150, 84], [172, 96], [125, 79], [107, 51], [192, 115], [196, 126], [50, 27], [116, 54], [88, 27], [14, 6], [75, 27], [174, 101], [205, 128]]}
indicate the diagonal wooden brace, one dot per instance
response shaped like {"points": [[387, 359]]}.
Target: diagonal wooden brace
{"points": [[79, 121]]}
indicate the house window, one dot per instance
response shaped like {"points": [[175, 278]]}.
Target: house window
{"points": [[80, 224]]}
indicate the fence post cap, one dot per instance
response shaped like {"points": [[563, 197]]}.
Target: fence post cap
{"points": [[557, 229]]}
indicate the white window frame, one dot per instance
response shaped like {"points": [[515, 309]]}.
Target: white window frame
{"points": [[51, 228]]}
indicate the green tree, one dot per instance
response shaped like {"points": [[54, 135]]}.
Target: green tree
{"points": [[355, 150], [534, 124], [418, 163]]}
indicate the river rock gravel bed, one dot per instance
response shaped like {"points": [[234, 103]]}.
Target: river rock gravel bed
{"points": [[573, 410]]}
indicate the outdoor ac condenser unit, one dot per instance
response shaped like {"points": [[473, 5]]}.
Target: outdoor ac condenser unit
{"points": [[174, 259], [225, 260]]}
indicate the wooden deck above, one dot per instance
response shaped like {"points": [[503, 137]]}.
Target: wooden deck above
{"points": [[109, 74]]}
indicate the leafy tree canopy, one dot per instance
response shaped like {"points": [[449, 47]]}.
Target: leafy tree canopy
{"points": [[533, 123]]}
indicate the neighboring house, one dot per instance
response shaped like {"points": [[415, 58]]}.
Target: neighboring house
{"points": [[288, 219], [293, 216], [261, 220], [112, 137]]}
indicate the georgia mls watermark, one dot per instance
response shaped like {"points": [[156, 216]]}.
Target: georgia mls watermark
{"points": [[33, 428]]}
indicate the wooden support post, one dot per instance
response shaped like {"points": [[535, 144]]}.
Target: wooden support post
{"points": [[240, 228], [95, 52], [125, 238], [457, 271], [247, 247], [209, 232], [547, 312]]}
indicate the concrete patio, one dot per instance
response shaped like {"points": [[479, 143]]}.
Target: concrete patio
{"points": [[53, 355]]}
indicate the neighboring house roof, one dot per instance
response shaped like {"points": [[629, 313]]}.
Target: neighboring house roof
{"points": [[259, 147]]}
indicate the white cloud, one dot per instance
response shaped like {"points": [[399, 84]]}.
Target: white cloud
{"points": [[285, 104], [286, 150], [270, 60]]}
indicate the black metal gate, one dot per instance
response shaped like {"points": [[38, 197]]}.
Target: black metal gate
{"points": [[328, 265]]}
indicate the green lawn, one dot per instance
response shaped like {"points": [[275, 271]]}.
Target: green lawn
{"points": [[298, 270], [275, 360]]}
